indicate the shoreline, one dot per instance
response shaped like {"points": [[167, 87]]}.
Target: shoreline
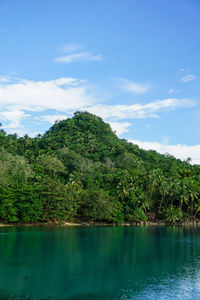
{"points": [[103, 224]]}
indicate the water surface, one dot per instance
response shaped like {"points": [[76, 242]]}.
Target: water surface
{"points": [[123, 263]]}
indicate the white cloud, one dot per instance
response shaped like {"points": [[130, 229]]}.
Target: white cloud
{"points": [[67, 81], [78, 57], [178, 151], [65, 94], [189, 77], [21, 131], [4, 79], [13, 118], [138, 111], [61, 94], [120, 127], [52, 118], [180, 71], [173, 91], [20, 97], [73, 52], [134, 87]]}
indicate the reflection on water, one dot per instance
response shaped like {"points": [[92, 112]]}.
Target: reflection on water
{"points": [[99, 263]]}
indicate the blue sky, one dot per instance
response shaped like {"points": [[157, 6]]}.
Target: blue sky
{"points": [[135, 63]]}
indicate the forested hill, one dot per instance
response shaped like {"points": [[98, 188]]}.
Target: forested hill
{"points": [[80, 170]]}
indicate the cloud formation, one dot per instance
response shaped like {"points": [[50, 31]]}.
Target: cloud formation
{"points": [[178, 151], [182, 71], [139, 111], [75, 52], [21, 98], [120, 127], [61, 94], [134, 87], [188, 77], [173, 91], [52, 118], [13, 117], [78, 57]]}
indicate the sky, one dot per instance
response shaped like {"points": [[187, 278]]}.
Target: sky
{"points": [[135, 63]]}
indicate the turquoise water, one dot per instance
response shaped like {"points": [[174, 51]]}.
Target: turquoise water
{"points": [[99, 263]]}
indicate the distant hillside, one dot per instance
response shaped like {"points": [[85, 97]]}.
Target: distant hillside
{"points": [[79, 169]]}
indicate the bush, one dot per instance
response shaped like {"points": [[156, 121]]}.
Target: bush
{"points": [[173, 214], [97, 205], [138, 215]]}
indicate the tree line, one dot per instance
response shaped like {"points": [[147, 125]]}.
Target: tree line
{"points": [[80, 170]]}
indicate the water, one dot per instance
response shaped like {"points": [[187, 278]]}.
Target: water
{"points": [[123, 263]]}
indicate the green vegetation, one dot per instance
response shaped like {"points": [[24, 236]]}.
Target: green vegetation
{"points": [[79, 169]]}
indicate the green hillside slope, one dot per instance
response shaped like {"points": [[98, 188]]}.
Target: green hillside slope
{"points": [[79, 169]]}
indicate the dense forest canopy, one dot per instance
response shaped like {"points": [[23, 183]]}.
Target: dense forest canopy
{"points": [[80, 170]]}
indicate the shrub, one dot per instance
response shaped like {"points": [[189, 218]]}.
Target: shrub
{"points": [[138, 215], [173, 214]]}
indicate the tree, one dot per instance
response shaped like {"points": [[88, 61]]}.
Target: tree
{"points": [[51, 164]]}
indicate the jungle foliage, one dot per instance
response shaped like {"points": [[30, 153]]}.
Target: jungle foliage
{"points": [[79, 169]]}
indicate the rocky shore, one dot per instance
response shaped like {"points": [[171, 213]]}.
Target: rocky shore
{"points": [[195, 222]]}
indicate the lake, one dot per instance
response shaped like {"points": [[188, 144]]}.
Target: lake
{"points": [[59, 263]]}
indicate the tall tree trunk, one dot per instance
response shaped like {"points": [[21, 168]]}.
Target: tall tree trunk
{"points": [[160, 206], [192, 208]]}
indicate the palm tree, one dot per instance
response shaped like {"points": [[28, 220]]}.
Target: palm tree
{"points": [[184, 192], [123, 190], [164, 190], [155, 179], [174, 189], [193, 194], [74, 181]]}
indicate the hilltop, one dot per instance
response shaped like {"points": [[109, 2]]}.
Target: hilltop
{"points": [[80, 170]]}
